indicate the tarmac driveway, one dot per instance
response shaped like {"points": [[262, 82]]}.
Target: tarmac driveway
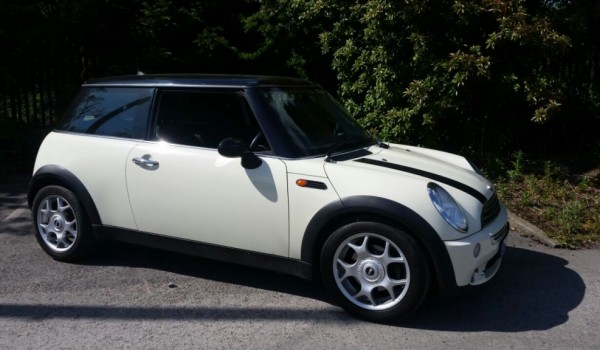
{"points": [[134, 297]]}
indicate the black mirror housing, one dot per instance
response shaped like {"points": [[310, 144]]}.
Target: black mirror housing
{"points": [[233, 148]]}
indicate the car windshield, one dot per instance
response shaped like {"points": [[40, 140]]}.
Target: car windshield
{"points": [[314, 122]]}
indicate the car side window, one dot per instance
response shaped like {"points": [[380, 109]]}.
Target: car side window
{"points": [[204, 119], [118, 112]]}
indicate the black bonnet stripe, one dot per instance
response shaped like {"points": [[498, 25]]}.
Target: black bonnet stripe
{"points": [[470, 190]]}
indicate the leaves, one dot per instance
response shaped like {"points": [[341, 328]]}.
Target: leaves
{"points": [[403, 66], [461, 75]]}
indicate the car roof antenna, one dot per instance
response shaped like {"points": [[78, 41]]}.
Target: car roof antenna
{"points": [[137, 65]]}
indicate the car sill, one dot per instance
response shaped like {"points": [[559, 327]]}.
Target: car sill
{"points": [[231, 255]]}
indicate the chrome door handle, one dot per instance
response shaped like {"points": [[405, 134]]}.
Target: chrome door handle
{"points": [[145, 161]]}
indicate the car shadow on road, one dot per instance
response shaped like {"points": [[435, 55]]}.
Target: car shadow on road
{"points": [[123, 254], [17, 226], [533, 290]]}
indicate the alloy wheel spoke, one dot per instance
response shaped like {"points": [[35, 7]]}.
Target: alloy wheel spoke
{"points": [[389, 284], [366, 291], [46, 210], [386, 257], [361, 250], [349, 269], [62, 208], [61, 239], [44, 228], [70, 226]]}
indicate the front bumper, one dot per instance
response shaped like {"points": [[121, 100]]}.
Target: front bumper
{"points": [[477, 258]]}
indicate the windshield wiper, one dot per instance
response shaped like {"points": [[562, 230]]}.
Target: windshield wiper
{"points": [[381, 144], [341, 144]]}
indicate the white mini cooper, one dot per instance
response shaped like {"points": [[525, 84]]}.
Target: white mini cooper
{"points": [[268, 172]]}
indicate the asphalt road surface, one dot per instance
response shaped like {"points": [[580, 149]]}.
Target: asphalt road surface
{"points": [[134, 297]]}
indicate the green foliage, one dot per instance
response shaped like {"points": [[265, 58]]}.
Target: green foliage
{"points": [[455, 74], [287, 40], [517, 170], [566, 206], [187, 35], [475, 77], [484, 78]]}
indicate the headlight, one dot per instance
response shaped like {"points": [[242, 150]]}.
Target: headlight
{"points": [[447, 206]]}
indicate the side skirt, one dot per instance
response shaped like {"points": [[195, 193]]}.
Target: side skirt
{"points": [[215, 252]]}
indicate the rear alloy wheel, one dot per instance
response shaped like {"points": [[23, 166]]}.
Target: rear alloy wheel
{"points": [[63, 230], [375, 271]]}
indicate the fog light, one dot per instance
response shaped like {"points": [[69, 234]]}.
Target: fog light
{"points": [[476, 250]]}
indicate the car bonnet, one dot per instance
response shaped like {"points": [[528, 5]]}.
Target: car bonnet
{"points": [[440, 167]]}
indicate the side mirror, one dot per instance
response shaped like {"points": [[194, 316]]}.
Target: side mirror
{"points": [[233, 148]]}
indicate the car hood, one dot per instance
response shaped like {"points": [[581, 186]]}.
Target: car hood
{"points": [[437, 166]]}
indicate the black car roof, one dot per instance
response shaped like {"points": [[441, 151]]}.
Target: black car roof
{"points": [[198, 80]]}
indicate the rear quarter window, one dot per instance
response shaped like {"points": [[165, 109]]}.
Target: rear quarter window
{"points": [[118, 112]]}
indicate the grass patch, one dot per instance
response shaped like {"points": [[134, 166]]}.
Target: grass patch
{"points": [[563, 202]]}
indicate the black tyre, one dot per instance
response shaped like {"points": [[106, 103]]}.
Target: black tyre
{"points": [[62, 228], [375, 271]]}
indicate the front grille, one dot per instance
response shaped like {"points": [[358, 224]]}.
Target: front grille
{"points": [[490, 210], [498, 237]]}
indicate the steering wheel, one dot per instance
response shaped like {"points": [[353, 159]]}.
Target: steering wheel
{"points": [[255, 142]]}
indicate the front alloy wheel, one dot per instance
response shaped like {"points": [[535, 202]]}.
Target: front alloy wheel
{"points": [[375, 271]]}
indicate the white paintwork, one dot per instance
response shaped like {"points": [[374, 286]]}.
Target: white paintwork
{"points": [[99, 163], [351, 178], [310, 166], [461, 252], [436, 162], [451, 158], [306, 202], [197, 194]]}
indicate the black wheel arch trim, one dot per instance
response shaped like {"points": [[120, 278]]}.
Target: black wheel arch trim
{"points": [[356, 208], [51, 174]]}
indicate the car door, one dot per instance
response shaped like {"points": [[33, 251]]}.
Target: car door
{"points": [[92, 141], [180, 186]]}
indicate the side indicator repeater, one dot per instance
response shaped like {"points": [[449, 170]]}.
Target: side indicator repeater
{"points": [[301, 182], [311, 184]]}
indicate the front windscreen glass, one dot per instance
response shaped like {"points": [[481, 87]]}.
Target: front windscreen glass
{"points": [[314, 122]]}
